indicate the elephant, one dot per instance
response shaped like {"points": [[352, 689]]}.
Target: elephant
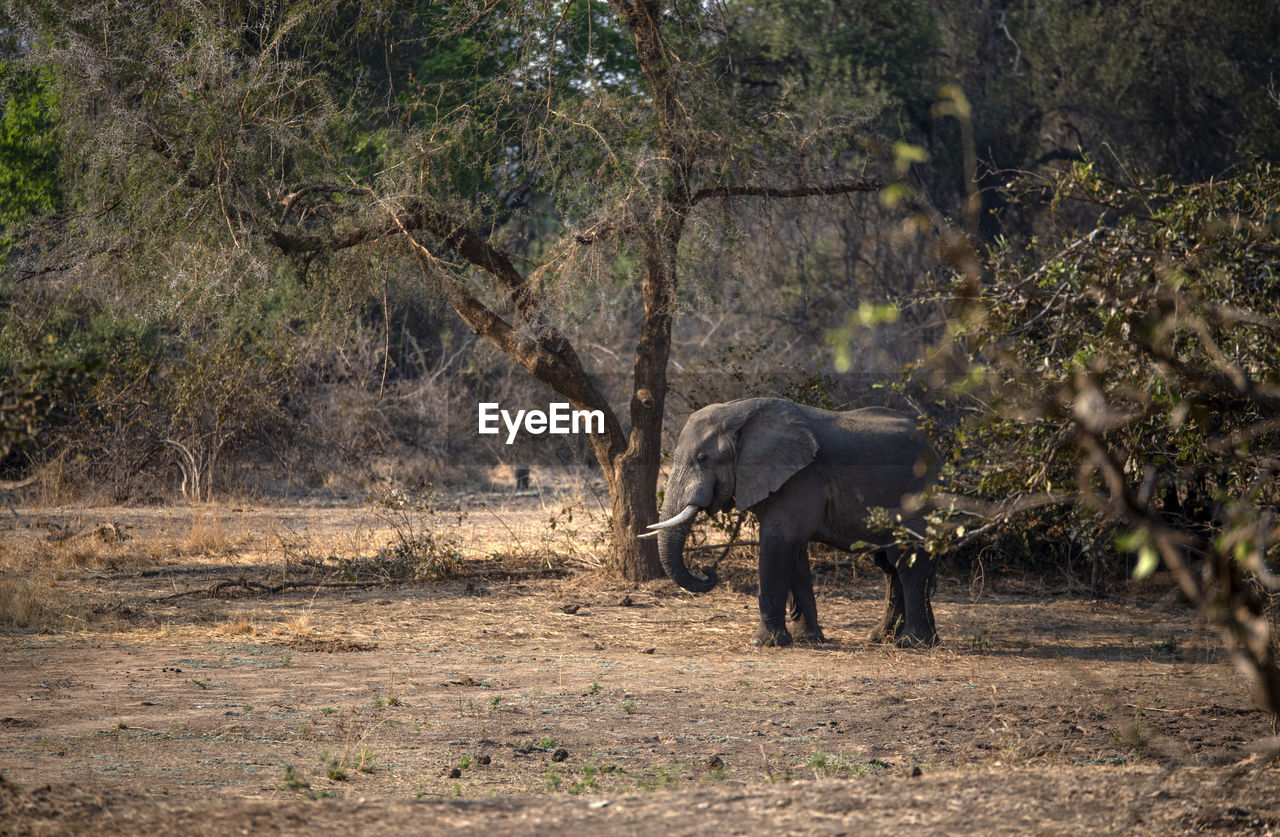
{"points": [[807, 474]]}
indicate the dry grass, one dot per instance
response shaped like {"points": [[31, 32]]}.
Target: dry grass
{"points": [[27, 603], [207, 534], [299, 625], [567, 518], [47, 557], [117, 539], [240, 623]]}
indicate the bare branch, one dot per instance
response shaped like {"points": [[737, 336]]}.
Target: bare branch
{"points": [[14, 486], [1221, 592], [863, 184]]}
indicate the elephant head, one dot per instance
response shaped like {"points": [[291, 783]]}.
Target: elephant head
{"points": [[729, 455]]}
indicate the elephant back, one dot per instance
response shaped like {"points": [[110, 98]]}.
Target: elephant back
{"points": [[877, 446]]}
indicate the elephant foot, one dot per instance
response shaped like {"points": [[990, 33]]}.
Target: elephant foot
{"points": [[801, 632], [909, 639], [766, 638], [886, 632]]}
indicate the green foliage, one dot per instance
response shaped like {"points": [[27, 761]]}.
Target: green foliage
{"points": [[50, 361], [826, 764], [499, 88], [291, 781], [30, 392], [832, 48], [119, 372], [662, 778], [30, 146], [1155, 334], [333, 767]]}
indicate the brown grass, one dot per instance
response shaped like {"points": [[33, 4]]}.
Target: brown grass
{"points": [[92, 550], [27, 603], [240, 623], [48, 557], [207, 534], [299, 625], [567, 519], [101, 539]]}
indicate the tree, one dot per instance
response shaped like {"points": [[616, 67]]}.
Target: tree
{"points": [[29, 145], [654, 224], [515, 157]]}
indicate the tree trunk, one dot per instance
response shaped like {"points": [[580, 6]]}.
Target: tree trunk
{"points": [[630, 463], [632, 495], [635, 500]]}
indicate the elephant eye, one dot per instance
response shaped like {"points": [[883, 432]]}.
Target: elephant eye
{"points": [[701, 457]]}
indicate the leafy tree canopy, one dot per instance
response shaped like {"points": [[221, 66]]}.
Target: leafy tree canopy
{"points": [[30, 145]]}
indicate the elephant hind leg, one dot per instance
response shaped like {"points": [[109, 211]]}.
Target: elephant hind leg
{"points": [[919, 628], [890, 626]]}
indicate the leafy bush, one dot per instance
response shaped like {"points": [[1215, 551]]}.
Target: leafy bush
{"points": [[1157, 330], [1127, 373], [123, 389]]}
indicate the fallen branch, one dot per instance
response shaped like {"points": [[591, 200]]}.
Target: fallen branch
{"points": [[245, 584], [265, 589]]}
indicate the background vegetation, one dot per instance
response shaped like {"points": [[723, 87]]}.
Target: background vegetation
{"points": [[1076, 259]]}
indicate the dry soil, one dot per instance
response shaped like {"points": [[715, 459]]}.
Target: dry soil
{"points": [[204, 671]]}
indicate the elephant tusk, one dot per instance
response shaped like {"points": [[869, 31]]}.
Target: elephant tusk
{"points": [[653, 534], [689, 511]]}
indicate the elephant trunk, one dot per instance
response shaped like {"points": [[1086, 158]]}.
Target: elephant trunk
{"points": [[671, 553]]}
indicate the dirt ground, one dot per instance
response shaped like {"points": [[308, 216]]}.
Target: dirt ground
{"points": [[210, 671]]}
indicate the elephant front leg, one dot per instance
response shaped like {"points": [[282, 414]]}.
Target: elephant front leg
{"points": [[777, 562], [802, 620]]}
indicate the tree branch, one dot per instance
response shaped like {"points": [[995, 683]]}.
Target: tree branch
{"points": [[547, 354], [287, 200], [414, 216], [864, 184], [1220, 592], [601, 231]]}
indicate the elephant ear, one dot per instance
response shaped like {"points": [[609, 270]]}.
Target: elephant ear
{"points": [[773, 445]]}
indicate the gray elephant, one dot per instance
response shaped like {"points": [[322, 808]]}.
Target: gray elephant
{"points": [[807, 475]]}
